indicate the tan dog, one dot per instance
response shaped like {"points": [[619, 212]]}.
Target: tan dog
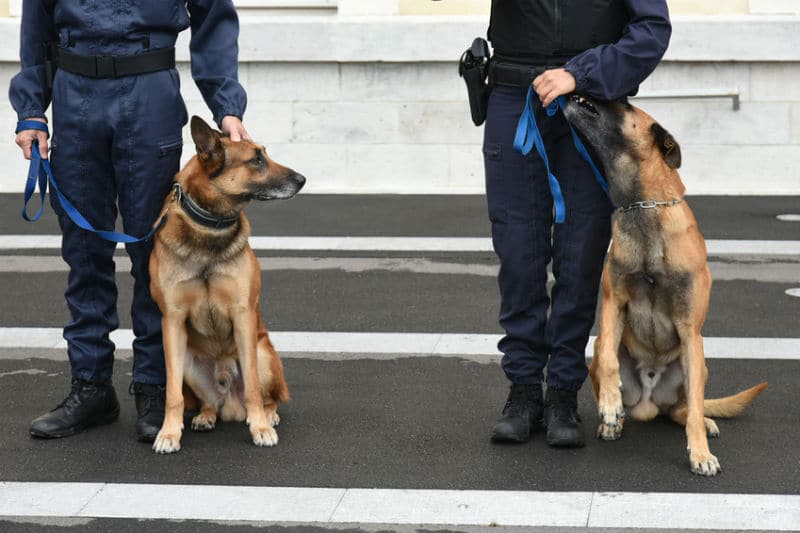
{"points": [[656, 286], [206, 280]]}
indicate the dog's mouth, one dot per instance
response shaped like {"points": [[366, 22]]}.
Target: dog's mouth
{"points": [[285, 190], [584, 103]]}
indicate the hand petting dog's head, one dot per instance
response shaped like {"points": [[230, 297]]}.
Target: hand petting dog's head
{"points": [[242, 171]]}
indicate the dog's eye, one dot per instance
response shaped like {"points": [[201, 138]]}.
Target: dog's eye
{"points": [[258, 160]]}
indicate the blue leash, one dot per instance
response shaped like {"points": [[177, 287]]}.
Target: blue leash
{"points": [[528, 136], [40, 171]]}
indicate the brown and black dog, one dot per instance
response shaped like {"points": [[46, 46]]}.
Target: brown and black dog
{"points": [[656, 285], [206, 280]]}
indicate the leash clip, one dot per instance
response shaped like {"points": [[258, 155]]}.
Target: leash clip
{"points": [[177, 192]]}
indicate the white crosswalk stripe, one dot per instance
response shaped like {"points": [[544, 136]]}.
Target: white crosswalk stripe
{"points": [[386, 506], [306, 343], [411, 244]]}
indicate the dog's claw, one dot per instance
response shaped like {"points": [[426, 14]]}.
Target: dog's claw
{"points": [[273, 419], [609, 432], [712, 430], [611, 424], [705, 465], [266, 438], [167, 443], [202, 423]]}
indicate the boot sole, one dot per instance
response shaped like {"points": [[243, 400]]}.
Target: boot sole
{"points": [[68, 432], [556, 443], [566, 442], [515, 438], [510, 438], [147, 437]]}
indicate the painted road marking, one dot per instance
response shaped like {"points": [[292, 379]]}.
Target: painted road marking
{"points": [[303, 344], [749, 269], [410, 244], [391, 506]]}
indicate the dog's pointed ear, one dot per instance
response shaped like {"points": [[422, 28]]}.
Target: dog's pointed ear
{"points": [[206, 140], [667, 144]]}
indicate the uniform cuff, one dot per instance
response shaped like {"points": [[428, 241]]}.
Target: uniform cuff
{"points": [[224, 113], [30, 113], [578, 73]]}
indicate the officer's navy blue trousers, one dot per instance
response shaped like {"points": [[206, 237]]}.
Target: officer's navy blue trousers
{"points": [[539, 334], [116, 147]]}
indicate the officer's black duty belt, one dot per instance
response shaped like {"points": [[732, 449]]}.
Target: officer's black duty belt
{"points": [[513, 75], [115, 66]]}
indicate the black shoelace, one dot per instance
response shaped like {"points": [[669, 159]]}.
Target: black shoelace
{"points": [[72, 400], [517, 400], [565, 410], [154, 397]]}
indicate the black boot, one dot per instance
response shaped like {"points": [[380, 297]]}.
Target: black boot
{"points": [[564, 426], [88, 404], [150, 400], [522, 414]]}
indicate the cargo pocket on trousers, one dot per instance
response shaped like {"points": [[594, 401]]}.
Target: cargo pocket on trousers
{"points": [[493, 166]]}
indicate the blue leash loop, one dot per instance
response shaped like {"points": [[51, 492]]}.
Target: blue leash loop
{"points": [[40, 171], [528, 136]]}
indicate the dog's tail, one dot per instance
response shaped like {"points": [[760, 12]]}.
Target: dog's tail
{"points": [[732, 406]]}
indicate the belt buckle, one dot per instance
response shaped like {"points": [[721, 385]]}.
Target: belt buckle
{"points": [[105, 67]]}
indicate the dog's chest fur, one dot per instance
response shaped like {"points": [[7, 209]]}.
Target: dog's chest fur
{"points": [[209, 287], [657, 291]]}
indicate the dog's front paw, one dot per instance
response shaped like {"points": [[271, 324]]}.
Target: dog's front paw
{"points": [[167, 442], [265, 437], [611, 422], [704, 464]]}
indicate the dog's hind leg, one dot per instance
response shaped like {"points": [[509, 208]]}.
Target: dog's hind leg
{"points": [[199, 375], [679, 413]]}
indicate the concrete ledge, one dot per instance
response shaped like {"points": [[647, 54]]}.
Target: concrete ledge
{"points": [[431, 39]]}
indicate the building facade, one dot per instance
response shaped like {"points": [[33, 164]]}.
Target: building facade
{"points": [[364, 96]]}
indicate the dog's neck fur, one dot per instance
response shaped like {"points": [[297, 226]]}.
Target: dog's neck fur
{"points": [[187, 237], [643, 228], [627, 187]]}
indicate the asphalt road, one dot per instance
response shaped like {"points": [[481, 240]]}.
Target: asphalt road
{"points": [[409, 422]]}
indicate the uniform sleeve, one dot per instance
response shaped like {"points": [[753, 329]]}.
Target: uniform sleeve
{"points": [[215, 56], [609, 72], [28, 91]]}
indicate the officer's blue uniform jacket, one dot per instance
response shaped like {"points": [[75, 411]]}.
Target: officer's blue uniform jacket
{"points": [[116, 148], [120, 28], [612, 71]]}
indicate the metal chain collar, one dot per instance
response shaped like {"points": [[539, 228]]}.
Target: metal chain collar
{"points": [[648, 204]]}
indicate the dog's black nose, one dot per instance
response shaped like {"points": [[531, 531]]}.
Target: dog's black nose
{"points": [[299, 179]]}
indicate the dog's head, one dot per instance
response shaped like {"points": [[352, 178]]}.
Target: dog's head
{"points": [[624, 137], [238, 172]]}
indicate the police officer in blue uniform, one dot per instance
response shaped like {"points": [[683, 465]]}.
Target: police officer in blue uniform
{"points": [[603, 49], [117, 120]]}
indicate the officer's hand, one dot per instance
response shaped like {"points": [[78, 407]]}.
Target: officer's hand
{"points": [[233, 127], [553, 83], [25, 140]]}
